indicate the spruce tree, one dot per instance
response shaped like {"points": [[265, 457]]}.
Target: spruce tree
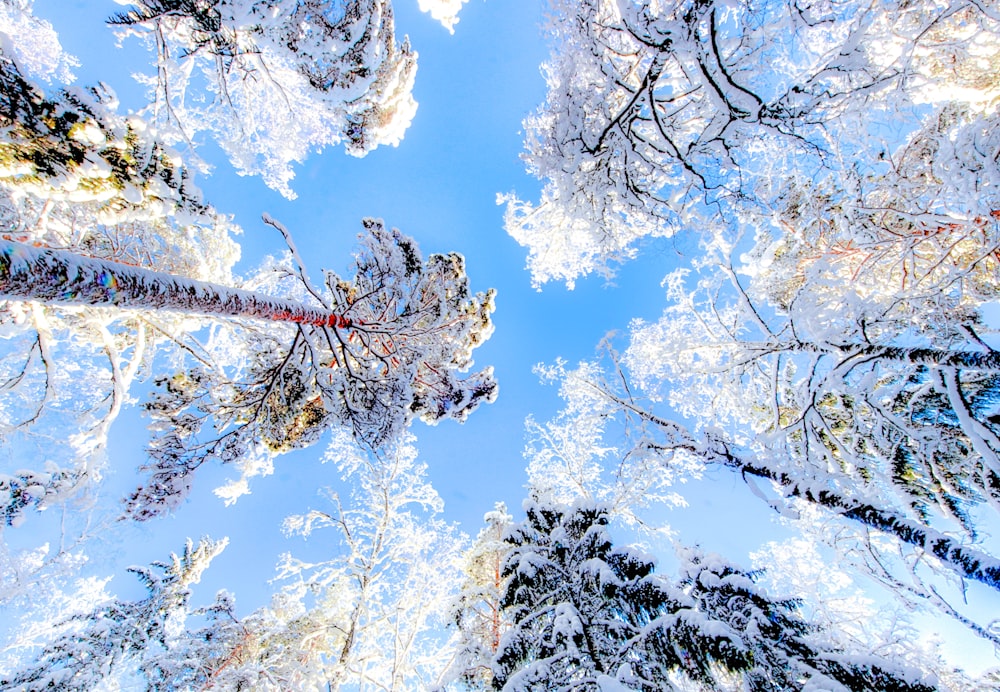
{"points": [[589, 616], [94, 645]]}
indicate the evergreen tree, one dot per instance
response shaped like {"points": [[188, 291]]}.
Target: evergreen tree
{"points": [[95, 644], [588, 616], [379, 351], [574, 600], [477, 613], [775, 648]]}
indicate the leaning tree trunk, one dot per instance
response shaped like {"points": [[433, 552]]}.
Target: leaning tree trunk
{"points": [[64, 278], [964, 560]]}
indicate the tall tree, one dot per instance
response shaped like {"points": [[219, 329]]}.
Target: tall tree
{"points": [[837, 386], [665, 444], [587, 615], [375, 353], [477, 613], [79, 177]]}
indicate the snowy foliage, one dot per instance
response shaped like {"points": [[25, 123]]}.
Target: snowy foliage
{"points": [[701, 115], [78, 176], [272, 81], [780, 649], [375, 608], [36, 47], [590, 616], [95, 644], [835, 388], [477, 614], [577, 604], [569, 456], [366, 614], [375, 353], [26, 488], [672, 447]]}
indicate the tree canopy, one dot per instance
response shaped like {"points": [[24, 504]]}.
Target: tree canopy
{"points": [[780, 470]]}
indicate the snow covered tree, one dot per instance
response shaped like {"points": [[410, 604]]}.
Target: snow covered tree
{"points": [[375, 353], [477, 613], [280, 78], [94, 645], [780, 650], [269, 649], [836, 385], [379, 351], [72, 146], [589, 616], [367, 614], [702, 114], [574, 601], [79, 177], [928, 556], [27, 488], [37, 47]]}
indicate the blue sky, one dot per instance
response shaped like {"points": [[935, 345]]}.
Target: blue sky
{"points": [[439, 186]]}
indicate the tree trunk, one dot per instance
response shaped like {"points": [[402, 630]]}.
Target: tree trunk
{"points": [[962, 559], [972, 360], [63, 278]]}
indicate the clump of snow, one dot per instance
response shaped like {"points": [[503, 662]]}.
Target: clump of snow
{"points": [[444, 11], [36, 48]]}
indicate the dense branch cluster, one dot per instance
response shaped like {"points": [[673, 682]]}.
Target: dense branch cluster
{"points": [[664, 117], [283, 78]]}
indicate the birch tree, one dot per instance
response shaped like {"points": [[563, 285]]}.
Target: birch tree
{"points": [[702, 115]]}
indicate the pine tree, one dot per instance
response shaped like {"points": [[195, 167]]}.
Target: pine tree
{"points": [[574, 600], [377, 352], [477, 614]]}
